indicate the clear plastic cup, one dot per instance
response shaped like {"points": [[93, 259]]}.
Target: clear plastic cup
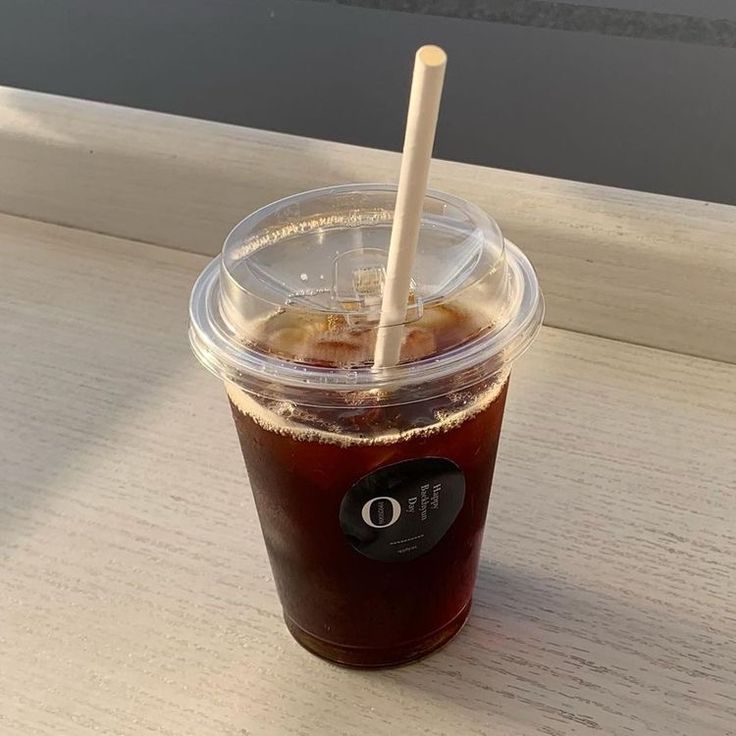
{"points": [[371, 485]]}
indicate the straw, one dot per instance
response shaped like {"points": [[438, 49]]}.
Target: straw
{"points": [[421, 123]]}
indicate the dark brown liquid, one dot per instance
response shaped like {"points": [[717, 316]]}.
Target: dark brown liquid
{"points": [[337, 602]]}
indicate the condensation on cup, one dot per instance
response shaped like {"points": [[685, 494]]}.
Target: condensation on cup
{"points": [[371, 485]]}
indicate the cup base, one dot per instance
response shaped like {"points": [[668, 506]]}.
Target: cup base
{"points": [[375, 658]]}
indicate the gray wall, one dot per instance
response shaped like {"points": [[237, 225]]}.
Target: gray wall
{"points": [[631, 112]]}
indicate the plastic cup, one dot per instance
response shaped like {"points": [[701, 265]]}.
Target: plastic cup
{"points": [[371, 485]]}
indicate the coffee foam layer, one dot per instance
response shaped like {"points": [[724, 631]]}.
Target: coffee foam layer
{"points": [[286, 418]]}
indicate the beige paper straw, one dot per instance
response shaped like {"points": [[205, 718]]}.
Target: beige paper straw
{"points": [[421, 124]]}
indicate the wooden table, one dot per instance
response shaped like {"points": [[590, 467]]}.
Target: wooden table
{"points": [[135, 593]]}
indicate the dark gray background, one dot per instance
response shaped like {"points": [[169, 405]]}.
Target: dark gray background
{"points": [[594, 91]]}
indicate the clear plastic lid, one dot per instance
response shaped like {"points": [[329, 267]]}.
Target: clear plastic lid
{"points": [[293, 301]]}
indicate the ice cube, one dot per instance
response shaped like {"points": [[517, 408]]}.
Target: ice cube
{"points": [[418, 343], [288, 342], [449, 325], [335, 348]]}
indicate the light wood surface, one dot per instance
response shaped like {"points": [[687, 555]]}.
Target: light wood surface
{"points": [[135, 594], [638, 267]]}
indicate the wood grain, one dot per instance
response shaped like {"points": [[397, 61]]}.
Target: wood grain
{"points": [[637, 267], [135, 594]]}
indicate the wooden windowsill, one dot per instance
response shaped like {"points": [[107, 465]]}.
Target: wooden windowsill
{"points": [[136, 592], [138, 596]]}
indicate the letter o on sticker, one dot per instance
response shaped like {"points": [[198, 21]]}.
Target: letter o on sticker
{"points": [[395, 511]]}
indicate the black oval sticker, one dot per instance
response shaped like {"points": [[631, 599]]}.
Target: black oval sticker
{"points": [[401, 511]]}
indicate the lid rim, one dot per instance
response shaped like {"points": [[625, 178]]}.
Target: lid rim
{"points": [[232, 361]]}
